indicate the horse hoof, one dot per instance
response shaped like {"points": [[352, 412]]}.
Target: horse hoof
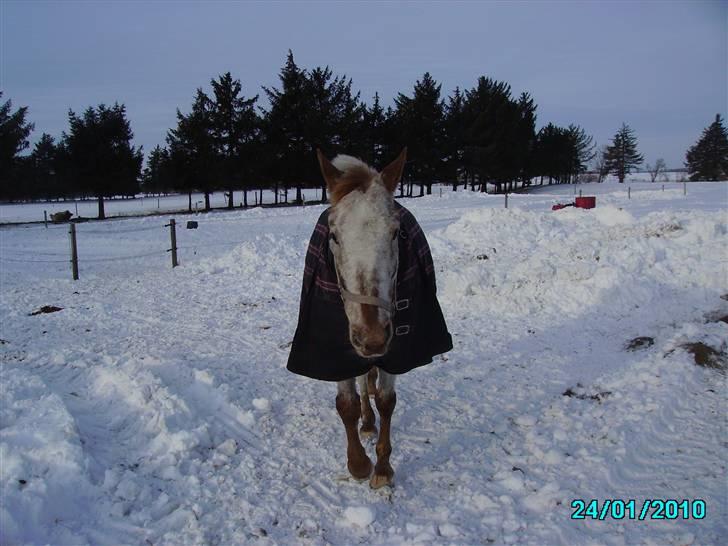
{"points": [[361, 471], [368, 432], [380, 480]]}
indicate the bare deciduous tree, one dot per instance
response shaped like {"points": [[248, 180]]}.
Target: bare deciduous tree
{"points": [[600, 163], [656, 169]]}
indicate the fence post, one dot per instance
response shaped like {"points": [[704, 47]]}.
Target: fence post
{"points": [[629, 192], [74, 252], [579, 193], [45, 218], [685, 188], [663, 187], [173, 239], [506, 199]]}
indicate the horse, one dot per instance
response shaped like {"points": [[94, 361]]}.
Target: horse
{"points": [[368, 305]]}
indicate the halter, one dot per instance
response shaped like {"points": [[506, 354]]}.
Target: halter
{"points": [[360, 298], [365, 299]]}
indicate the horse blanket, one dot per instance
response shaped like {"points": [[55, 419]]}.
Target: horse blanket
{"points": [[321, 348]]}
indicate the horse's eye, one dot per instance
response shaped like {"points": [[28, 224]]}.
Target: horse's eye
{"points": [[333, 238], [394, 235]]}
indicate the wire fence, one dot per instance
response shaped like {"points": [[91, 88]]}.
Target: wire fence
{"points": [[77, 231], [7, 259], [119, 231]]}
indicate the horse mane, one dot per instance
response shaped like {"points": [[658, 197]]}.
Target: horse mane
{"points": [[355, 175]]}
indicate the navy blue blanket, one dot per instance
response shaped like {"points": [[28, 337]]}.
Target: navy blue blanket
{"points": [[321, 348]]}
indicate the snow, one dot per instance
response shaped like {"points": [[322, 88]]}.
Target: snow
{"points": [[360, 516], [262, 404], [155, 406]]}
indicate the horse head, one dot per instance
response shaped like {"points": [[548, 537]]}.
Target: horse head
{"points": [[363, 238]]}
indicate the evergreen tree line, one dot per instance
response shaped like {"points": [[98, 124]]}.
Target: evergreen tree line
{"points": [[473, 138]]}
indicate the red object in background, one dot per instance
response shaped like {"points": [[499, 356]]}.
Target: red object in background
{"points": [[585, 202], [560, 206]]}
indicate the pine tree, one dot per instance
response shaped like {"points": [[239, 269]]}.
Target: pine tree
{"points": [[14, 132], [335, 119], [155, 178], [707, 159], [582, 151], [554, 153], [100, 153], [491, 150], [312, 109], [235, 129], [454, 148], [286, 131], [525, 142], [622, 154], [349, 111], [192, 149], [392, 143], [421, 119], [373, 132], [43, 161]]}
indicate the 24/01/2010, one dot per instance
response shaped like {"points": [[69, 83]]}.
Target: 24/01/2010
{"points": [[650, 509]]}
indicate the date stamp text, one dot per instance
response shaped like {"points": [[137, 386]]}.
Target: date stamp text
{"points": [[648, 509]]}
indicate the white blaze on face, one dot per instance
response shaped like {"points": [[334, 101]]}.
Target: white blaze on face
{"points": [[364, 228]]}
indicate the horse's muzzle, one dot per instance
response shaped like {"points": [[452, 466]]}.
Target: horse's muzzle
{"points": [[371, 342]]}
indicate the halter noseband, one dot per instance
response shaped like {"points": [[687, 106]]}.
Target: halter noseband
{"points": [[369, 300]]}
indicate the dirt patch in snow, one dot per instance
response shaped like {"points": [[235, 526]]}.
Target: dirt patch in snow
{"points": [[641, 342], [718, 316], [706, 356], [46, 309], [597, 397]]}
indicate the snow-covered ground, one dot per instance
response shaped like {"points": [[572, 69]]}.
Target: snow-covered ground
{"points": [[155, 408]]}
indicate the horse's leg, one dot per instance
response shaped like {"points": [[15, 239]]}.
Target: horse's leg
{"points": [[372, 381], [347, 404], [386, 399], [368, 428]]}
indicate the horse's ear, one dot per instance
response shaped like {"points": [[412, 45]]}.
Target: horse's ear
{"points": [[331, 173], [393, 172]]}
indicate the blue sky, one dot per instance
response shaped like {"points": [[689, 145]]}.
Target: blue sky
{"points": [[662, 67]]}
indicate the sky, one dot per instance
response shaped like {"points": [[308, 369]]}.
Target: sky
{"points": [[661, 67]]}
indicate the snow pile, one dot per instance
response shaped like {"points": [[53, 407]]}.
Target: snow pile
{"points": [[589, 363], [44, 472]]}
